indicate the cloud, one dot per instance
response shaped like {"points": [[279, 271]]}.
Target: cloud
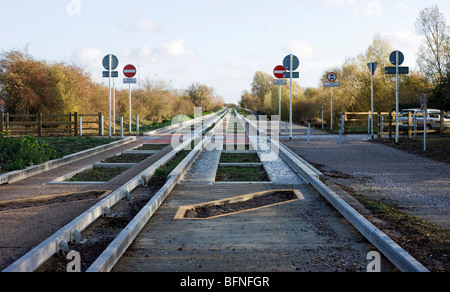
{"points": [[146, 25], [268, 26], [336, 2], [176, 49], [407, 42], [404, 39], [361, 8], [301, 49], [88, 56], [374, 7]]}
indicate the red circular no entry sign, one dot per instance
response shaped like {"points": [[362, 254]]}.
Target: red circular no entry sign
{"points": [[278, 71], [129, 71]]}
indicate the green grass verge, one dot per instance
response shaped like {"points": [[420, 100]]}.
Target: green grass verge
{"points": [[420, 238]]}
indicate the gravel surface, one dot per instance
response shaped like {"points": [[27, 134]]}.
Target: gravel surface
{"points": [[419, 185]]}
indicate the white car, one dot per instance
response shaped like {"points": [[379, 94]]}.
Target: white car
{"points": [[433, 119]]}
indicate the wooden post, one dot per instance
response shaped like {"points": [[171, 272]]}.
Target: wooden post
{"points": [[75, 124], [39, 124], [409, 125], [7, 125], [100, 124], [2, 117], [390, 127], [343, 122], [442, 123], [380, 126]]}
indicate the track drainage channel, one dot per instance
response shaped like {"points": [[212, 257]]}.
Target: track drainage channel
{"points": [[239, 204]]}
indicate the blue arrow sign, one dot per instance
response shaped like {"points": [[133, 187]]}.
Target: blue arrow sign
{"points": [[287, 63], [114, 62]]}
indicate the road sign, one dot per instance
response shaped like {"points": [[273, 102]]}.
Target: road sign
{"points": [[278, 71], [372, 67], [393, 58], [295, 75], [332, 77], [129, 71], [332, 84], [114, 62], [114, 74], [129, 80], [280, 82], [287, 63], [393, 70]]}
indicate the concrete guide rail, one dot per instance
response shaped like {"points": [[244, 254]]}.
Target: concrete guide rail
{"points": [[106, 261], [398, 256], [52, 245]]}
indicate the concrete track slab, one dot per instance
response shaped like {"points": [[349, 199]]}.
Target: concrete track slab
{"points": [[299, 236]]}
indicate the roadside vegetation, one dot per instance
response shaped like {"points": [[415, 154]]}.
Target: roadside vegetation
{"points": [[437, 148], [20, 153], [428, 243]]}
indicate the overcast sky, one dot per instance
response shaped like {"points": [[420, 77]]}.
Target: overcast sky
{"points": [[221, 43]]}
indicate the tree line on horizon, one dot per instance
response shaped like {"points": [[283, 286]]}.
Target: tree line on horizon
{"points": [[31, 86], [353, 95]]}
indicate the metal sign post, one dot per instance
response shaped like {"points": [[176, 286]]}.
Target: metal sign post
{"points": [[332, 77], [290, 95], [396, 58], [396, 98], [278, 72], [372, 68], [110, 63], [291, 63], [114, 106], [110, 70], [129, 71], [279, 109], [331, 120]]}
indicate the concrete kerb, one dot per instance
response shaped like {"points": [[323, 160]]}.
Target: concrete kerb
{"points": [[398, 256], [16, 176], [106, 261]]}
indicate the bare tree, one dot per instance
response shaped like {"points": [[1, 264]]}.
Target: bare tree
{"points": [[434, 53]]}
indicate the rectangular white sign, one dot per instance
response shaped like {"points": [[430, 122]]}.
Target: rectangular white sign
{"points": [[331, 84], [280, 82], [130, 80]]}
